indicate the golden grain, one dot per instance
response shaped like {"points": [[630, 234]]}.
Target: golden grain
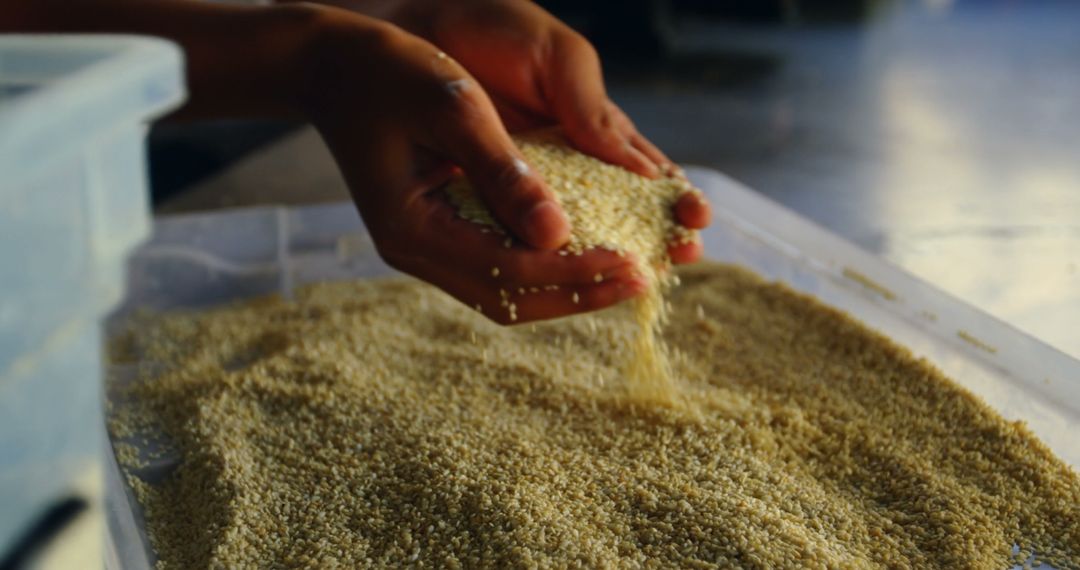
{"points": [[350, 429]]}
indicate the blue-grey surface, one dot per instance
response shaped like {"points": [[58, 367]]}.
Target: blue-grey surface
{"points": [[944, 137]]}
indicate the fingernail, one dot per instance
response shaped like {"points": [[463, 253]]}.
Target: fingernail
{"points": [[545, 225]]}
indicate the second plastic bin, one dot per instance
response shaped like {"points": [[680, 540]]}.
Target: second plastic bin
{"points": [[73, 204]]}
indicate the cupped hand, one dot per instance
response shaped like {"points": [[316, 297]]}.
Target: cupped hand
{"points": [[400, 117], [540, 72]]}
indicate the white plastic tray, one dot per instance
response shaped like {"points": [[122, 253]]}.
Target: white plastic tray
{"points": [[73, 174], [206, 259], [73, 203]]}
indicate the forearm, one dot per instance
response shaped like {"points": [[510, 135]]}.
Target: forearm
{"points": [[241, 61], [382, 9], [410, 15]]}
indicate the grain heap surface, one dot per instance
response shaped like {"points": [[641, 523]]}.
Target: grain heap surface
{"points": [[381, 423], [611, 208]]}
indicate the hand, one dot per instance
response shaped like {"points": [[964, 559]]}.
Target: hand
{"points": [[539, 72], [397, 113]]}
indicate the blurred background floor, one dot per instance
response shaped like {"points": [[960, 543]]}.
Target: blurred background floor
{"points": [[944, 136]]}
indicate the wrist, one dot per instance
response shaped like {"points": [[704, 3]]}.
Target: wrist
{"points": [[244, 61], [289, 32], [416, 16], [341, 50]]}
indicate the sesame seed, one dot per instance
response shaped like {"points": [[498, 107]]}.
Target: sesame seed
{"points": [[494, 271]]}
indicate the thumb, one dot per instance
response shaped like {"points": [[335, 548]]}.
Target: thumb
{"points": [[473, 136]]}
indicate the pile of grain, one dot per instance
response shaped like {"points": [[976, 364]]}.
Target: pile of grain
{"points": [[377, 424], [611, 208]]}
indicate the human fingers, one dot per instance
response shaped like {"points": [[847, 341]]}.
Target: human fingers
{"points": [[692, 210], [470, 248], [646, 147], [506, 306], [685, 252], [579, 102], [517, 118], [550, 304], [468, 130]]}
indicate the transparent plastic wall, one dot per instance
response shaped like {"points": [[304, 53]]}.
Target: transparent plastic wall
{"points": [[202, 260]]}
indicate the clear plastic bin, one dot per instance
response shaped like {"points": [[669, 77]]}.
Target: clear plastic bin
{"points": [[74, 177], [73, 204], [201, 260]]}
